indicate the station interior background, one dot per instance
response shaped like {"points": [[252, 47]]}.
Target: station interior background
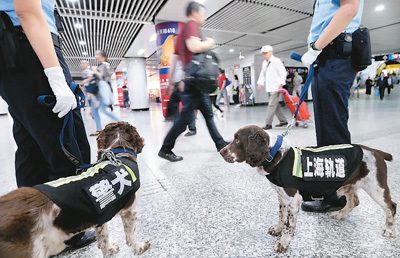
{"points": [[204, 207], [126, 29]]}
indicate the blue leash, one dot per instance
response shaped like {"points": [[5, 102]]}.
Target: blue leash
{"points": [[310, 75], [75, 155], [307, 84]]}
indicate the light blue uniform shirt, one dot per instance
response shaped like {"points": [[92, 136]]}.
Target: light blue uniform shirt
{"points": [[323, 14], [47, 6]]}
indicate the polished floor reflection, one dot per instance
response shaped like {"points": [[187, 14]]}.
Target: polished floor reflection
{"points": [[205, 207]]}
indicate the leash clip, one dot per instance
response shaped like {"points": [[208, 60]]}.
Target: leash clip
{"points": [[289, 127], [109, 155]]}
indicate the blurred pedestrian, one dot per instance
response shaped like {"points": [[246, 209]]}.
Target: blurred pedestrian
{"points": [[297, 83], [126, 96], [235, 89], [273, 76], [191, 98], [381, 85], [223, 84], [368, 86]]}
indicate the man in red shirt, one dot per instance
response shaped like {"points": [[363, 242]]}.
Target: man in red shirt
{"points": [[189, 42]]}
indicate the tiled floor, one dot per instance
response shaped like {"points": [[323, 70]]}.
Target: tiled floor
{"points": [[205, 207]]}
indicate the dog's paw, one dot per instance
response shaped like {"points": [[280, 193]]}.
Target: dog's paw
{"points": [[274, 230], [280, 248], [388, 232], [111, 251], [337, 215], [141, 247]]}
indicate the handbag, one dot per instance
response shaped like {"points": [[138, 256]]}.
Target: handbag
{"points": [[201, 73], [377, 92], [361, 49]]}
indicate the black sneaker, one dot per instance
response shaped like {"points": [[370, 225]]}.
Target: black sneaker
{"points": [[320, 206], [169, 156], [281, 124], [190, 133], [222, 145], [267, 127]]}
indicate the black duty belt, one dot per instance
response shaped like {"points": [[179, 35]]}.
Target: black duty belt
{"points": [[57, 41], [336, 49]]}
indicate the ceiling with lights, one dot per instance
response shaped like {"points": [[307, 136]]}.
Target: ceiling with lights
{"points": [[124, 28]]}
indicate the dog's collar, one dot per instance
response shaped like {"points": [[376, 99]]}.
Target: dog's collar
{"points": [[273, 151], [124, 150]]}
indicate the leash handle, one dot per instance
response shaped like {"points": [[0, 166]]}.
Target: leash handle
{"points": [[75, 155]]}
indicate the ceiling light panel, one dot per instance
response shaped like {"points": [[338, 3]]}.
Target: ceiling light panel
{"points": [[105, 25]]}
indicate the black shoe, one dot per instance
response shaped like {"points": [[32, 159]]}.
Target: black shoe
{"points": [[190, 133], [222, 145], [169, 156], [281, 124], [267, 127], [320, 206], [79, 240]]}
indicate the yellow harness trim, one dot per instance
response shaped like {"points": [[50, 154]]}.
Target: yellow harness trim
{"points": [[297, 171], [88, 173], [130, 172], [331, 147]]}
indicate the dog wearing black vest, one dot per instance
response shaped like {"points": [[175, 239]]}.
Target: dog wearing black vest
{"points": [[299, 174], [35, 221]]}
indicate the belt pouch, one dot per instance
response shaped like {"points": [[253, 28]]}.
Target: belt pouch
{"points": [[361, 55], [343, 44], [8, 43]]}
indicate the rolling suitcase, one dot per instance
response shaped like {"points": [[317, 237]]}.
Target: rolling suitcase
{"points": [[291, 101]]}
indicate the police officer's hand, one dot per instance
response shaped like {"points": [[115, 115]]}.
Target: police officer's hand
{"points": [[65, 98], [309, 58]]}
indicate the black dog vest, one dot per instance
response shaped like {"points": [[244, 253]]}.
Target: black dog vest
{"points": [[317, 172], [97, 194]]}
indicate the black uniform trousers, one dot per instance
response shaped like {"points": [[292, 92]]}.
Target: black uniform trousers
{"points": [[331, 85], [39, 157], [191, 101]]}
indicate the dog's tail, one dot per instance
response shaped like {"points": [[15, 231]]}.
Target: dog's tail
{"points": [[385, 155]]}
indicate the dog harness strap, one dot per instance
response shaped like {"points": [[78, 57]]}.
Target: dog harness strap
{"points": [[273, 151]]}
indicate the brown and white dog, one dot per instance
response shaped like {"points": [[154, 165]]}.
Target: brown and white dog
{"points": [[33, 226], [253, 145]]}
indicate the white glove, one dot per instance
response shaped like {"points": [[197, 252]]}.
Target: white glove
{"points": [[309, 58], [65, 98]]}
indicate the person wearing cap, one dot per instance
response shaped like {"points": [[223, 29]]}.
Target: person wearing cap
{"points": [[333, 77], [273, 76]]}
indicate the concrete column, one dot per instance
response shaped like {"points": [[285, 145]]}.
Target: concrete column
{"points": [[137, 83]]}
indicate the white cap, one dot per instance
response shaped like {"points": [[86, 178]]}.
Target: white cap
{"points": [[266, 49]]}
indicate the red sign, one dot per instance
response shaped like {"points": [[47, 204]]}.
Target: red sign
{"points": [[237, 66]]}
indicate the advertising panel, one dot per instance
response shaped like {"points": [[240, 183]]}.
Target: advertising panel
{"points": [[165, 48], [121, 81]]}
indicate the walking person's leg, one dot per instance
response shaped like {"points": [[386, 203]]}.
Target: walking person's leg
{"points": [[225, 92], [218, 101], [205, 109], [189, 103], [214, 102], [272, 107], [103, 108], [95, 106], [192, 126], [381, 93]]}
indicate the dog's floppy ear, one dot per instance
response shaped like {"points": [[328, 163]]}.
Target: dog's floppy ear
{"points": [[137, 140], [257, 149]]}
